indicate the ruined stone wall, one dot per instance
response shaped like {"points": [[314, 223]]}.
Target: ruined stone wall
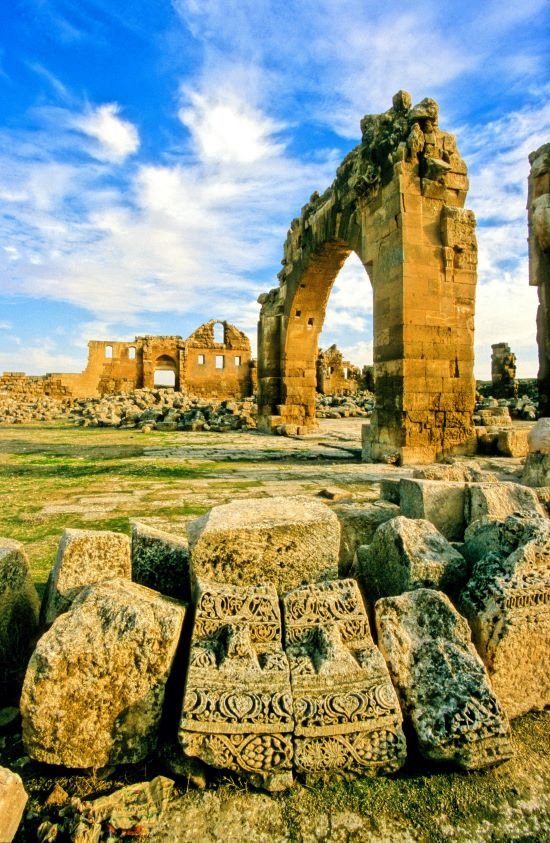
{"points": [[397, 201], [336, 376], [503, 371], [218, 369], [20, 385], [538, 209]]}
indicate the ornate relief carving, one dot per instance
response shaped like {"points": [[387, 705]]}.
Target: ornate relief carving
{"points": [[346, 711], [237, 709]]}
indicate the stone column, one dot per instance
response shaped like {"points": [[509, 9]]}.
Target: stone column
{"points": [[538, 210]]}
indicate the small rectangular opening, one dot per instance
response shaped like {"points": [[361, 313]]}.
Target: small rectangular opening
{"points": [[201, 360], [310, 322], [132, 353], [219, 361], [298, 313], [237, 361], [108, 351]]}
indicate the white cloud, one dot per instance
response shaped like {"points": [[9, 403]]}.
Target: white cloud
{"points": [[6, 326], [116, 138]]}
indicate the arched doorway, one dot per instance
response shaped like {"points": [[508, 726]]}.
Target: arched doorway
{"points": [[165, 372], [397, 202]]}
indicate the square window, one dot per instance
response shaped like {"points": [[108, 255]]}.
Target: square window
{"points": [[219, 361], [201, 359]]}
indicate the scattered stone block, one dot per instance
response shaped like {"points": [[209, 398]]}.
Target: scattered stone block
{"points": [[19, 606], [536, 471], [334, 493], [498, 500], [84, 557], [495, 416], [359, 523], [455, 472], [441, 681], [512, 443], [502, 537], [237, 707], [406, 554], [286, 541], [160, 561], [389, 491], [95, 685], [539, 437], [507, 602], [346, 710], [440, 502], [13, 799]]}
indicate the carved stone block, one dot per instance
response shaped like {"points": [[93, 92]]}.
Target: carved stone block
{"points": [[237, 707], [346, 710], [442, 683]]}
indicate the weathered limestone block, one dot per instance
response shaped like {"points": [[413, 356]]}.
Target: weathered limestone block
{"points": [[498, 500], [95, 685], [284, 540], [507, 602], [457, 471], [512, 443], [237, 707], [84, 557], [160, 560], [440, 502], [441, 681], [495, 416], [13, 799], [19, 605], [406, 554], [358, 523], [491, 535], [536, 471], [346, 710], [539, 437]]}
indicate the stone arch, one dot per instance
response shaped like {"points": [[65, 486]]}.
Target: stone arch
{"points": [[165, 372], [397, 201]]}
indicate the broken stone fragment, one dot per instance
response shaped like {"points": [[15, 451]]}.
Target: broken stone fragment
{"points": [[95, 685], [358, 523], [19, 605], [347, 714], [84, 557], [539, 437], [502, 536], [441, 681], [160, 561], [406, 554], [237, 707], [507, 602], [13, 799], [498, 500], [440, 502], [286, 541]]}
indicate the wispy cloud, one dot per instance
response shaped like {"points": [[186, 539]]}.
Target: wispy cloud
{"points": [[115, 138]]}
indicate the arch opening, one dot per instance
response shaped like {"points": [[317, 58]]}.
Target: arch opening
{"points": [[219, 332], [165, 373]]}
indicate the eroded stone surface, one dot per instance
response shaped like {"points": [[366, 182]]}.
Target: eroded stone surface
{"points": [[160, 560], [19, 605], [441, 502], [406, 554], [441, 681], [95, 685], [507, 602], [358, 523], [498, 500], [502, 536], [13, 799], [84, 557], [237, 709], [285, 541], [346, 710]]}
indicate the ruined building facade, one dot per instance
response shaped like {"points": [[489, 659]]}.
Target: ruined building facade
{"points": [[336, 376], [215, 362], [398, 203], [538, 209]]}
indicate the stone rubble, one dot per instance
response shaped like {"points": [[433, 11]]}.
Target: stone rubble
{"points": [[13, 799], [19, 608]]}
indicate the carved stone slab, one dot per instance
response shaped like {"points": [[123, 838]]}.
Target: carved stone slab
{"points": [[347, 713], [507, 602], [442, 683], [237, 708]]}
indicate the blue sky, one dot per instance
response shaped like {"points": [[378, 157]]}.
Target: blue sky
{"points": [[153, 153]]}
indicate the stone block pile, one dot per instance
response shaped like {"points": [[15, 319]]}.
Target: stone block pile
{"points": [[286, 656]]}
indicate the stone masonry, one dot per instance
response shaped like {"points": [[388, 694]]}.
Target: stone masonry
{"points": [[538, 210], [398, 202]]}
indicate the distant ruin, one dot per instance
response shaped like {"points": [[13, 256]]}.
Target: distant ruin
{"points": [[503, 371], [538, 209], [398, 203], [336, 376], [215, 361]]}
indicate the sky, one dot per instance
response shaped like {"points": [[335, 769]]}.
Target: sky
{"points": [[154, 152]]}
